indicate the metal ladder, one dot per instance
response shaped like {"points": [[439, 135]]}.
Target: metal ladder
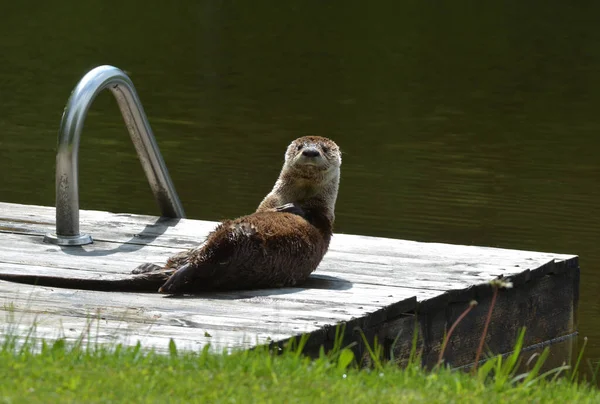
{"points": [[71, 125]]}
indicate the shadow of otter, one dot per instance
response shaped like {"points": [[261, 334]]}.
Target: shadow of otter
{"points": [[315, 281]]}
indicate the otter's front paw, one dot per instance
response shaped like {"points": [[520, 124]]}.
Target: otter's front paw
{"points": [[146, 267]]}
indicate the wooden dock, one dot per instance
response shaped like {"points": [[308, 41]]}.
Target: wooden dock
{"points": [[381, 286]]}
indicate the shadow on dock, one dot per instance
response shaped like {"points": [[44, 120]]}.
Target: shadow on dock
{"points": [[139, 240], [322, 282]]}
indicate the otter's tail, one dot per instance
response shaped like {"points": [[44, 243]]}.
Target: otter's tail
{"points": [[146, 282]]}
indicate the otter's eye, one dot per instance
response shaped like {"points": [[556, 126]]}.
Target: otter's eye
{"points": [[299, 147], [325, 149]]}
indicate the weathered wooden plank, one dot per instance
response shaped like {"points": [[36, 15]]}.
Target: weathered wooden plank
{"points": [[185, 233], [441, 274], [369, 297], [318, 281], [152, 336], [309, 299], [182, 319], [249, 312], [338, 301], [211, 304], [193, 321]]}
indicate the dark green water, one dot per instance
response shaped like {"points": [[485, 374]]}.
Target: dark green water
{"points": [[461, 122]]}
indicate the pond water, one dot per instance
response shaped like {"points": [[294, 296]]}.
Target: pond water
{"points": [[460, 122]]}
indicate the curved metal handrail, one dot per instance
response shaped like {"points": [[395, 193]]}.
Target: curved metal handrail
{"points": [[67, 188]]}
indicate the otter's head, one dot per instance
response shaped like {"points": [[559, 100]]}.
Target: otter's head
{"points": [[310, 177], [314, 158]]}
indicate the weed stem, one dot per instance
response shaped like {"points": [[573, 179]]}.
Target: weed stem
{"points": [[472, 304], [485, 329]]}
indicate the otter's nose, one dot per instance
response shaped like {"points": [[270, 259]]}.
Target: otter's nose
{"points": [[310, 152]]}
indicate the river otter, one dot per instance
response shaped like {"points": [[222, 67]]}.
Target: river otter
{"points": [[279, 245]]}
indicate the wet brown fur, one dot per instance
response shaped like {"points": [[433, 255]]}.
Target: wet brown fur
{"points": [[269, 248], [265, 249]]}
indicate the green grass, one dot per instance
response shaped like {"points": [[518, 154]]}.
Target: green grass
{"points": [[70, 373]]}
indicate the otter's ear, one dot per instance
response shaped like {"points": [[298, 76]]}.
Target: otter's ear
{"points": [[291, 208]]}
